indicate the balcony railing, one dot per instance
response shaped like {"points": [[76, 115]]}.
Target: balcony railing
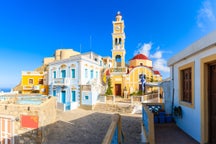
{"points": [[28, 87], [118, 69], [61, 81]]}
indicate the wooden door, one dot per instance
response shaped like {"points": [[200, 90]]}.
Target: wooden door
{"points": [[212, 102], [118, 89], [6, 131]]}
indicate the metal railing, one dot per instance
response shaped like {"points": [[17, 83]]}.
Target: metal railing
{"points": [[114, 134], [61, 81]]}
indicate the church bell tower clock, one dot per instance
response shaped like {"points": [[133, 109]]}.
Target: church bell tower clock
{"points": [[118, 42]]}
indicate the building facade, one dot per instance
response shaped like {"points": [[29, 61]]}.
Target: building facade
{"points": [[193, 75], [127, 77], [76, 81], [34, 82]]}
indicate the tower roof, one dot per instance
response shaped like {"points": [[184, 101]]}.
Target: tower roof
{"points": [[118, 13], [118, 16], [140, 56]]}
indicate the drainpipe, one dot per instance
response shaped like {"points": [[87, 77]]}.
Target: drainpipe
{"points": [[172, 79]]}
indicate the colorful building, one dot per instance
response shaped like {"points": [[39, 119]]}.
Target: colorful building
{"points": [[76, 81], [193, 80], [24, 119], [34, 82], [127, 77]]}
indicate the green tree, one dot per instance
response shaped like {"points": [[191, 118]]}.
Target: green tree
{"points": [[109, 89]]}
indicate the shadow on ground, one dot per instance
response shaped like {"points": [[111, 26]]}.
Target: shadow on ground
{"points": [[91, 129]]}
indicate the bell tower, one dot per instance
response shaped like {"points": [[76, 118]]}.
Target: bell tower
{"points": [[118, 42]]}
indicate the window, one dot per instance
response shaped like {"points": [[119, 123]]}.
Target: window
{"points": [[141, 64], [86, 73], [73, 73], [54, 74], [40, 81], [186, 85], [92, 74], [86, 97], [30, 81], [63, 73], [116, 41], [73, 96]]}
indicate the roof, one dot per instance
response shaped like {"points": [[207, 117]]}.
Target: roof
{"points": [[156, 72], [194, 48], [140, 56]]}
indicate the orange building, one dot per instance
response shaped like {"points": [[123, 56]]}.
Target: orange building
{"points": [[34, 82]]}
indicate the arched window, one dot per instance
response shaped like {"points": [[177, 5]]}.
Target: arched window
{"points": [[120, 42], [118, 60], [116, 41]]}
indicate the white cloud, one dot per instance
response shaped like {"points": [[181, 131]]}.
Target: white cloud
{"points": [[206, 15], [159, 63], [144, 49], [157, 55]]}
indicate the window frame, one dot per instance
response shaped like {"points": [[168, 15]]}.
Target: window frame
{"points": [[86, 73], [39, 81], [32, 81], [180, 71]]}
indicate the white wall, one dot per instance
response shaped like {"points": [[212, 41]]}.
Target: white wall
{"points": [[191, 120]]}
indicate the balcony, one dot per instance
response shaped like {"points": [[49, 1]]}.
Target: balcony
{"points": [[61, 81], [118, 70], [28, 87]]}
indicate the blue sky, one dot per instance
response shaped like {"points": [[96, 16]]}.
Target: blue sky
{"points": [[33, 29]]}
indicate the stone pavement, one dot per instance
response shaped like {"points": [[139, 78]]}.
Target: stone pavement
{"points": [[89, 127], [171, 134]]}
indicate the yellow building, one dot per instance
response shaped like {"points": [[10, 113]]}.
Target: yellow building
{"points": [[34, 82], [125, 77]]}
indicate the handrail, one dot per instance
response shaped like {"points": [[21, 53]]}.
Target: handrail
{"points": [[114, 134], [148, 122]]}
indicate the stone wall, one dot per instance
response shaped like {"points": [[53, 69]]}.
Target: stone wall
{"points": [[46, 113]]}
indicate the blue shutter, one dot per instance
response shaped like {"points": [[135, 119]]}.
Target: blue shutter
{"points": [[73, 73], [63, 72], [73, 96], [63, 93], [54, 74]]}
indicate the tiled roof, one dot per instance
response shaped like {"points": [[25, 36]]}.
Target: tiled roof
{"points": [[156, 72], [140, 56]]}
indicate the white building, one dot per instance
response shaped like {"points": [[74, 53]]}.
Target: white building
{"points": [[76, 81], [193, 76]]}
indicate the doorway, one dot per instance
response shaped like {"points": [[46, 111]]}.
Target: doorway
{"points": [[212, 101], [118, 89]]}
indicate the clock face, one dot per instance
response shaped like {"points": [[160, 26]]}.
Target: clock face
{"points": [[117, 27]]}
